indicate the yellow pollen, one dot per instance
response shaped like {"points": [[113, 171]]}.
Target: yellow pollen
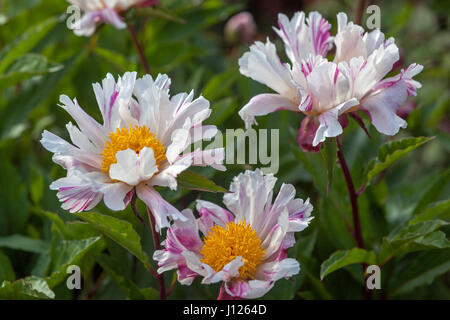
{"points": [[224, 244], [135, 138]]}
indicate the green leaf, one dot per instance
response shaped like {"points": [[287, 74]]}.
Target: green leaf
{"points": [[18, 108], [311, 162], [110, 265], [25, 43], [329, 155], [66, 253], [419, 236], [218, 84], [433, 193], [27, 288], [20, 242], [194, 181], [25, 67], [6, 268], [340, 259], [120, 231], [421, 271], [13, 199], [439, 209], [392, 151]]}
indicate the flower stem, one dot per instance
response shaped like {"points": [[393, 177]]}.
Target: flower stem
{"points": [[357, 233], [139, 48], [134, 207], [157, 246], [359, 11], [353, 196]]}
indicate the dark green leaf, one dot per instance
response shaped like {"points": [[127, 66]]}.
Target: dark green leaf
{"points": [[194, 181], [20, 242], [340, 259], [28, 288], [6, 268], [391, 152], [120, 231]]}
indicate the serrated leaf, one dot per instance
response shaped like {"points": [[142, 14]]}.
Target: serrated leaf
{"points": [[27, 288], [66, 253], [392, 151], [120, 231], [21, 242], [419, 236], [439, 210], [194, 181], [340, 259]]}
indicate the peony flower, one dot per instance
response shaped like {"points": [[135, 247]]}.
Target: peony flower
{"points": [[326, 91], [107, 11], [139, 146], [244, 246]]}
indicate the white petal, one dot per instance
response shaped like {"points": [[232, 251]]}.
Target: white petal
{"points": [[160, 208], [115, 194], [263, 104], [262, 64]]}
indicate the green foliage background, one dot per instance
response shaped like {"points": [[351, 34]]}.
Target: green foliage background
{"points": [[404, 210]]}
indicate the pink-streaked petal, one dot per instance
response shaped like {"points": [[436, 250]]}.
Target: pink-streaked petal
{"points": [[264, 104], [91, 128], [159, 207], [248, 289], [382, 108], [250, 195], [306, 134], [116, 195], [167, 177], [262, 64], [273, 271], [59, 146], [329, 125], [212, 214]]}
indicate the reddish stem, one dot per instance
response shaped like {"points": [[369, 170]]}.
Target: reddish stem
{"points": [[139, 48], [359, 11], [157, 246], [357, 233], [353, 196]]}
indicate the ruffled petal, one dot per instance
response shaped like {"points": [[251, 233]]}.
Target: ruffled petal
{"points": [[262, 64], [212, 214], [159, 207], [264, 104]]}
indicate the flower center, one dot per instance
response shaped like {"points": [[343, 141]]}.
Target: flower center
{"points": [[135, 139], [223, 245]]}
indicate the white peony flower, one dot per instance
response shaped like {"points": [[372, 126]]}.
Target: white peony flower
{"points": [[107, 11], [140, 145], [326, 90], [244, 246]]}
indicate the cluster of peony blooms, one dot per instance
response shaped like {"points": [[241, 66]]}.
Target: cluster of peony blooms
{"points": [[326, 91], [106, 11], [145, 133]]}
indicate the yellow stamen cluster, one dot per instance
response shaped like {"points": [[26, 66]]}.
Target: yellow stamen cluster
{"points": [[135, 138], [224, 244]]}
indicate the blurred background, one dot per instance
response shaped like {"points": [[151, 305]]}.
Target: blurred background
{"points": [[198, 44]]}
